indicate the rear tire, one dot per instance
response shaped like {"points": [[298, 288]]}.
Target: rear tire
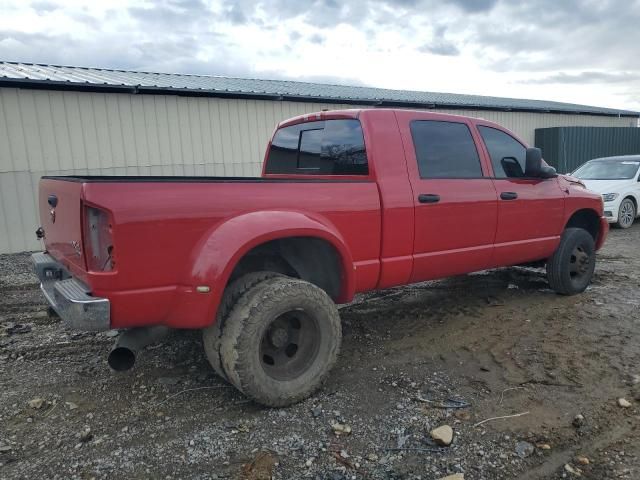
{"points": [[280, 341], [211, 335], [571, 267], [626, 213]]}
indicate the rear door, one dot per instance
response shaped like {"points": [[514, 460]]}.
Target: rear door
{"points": [[530, 210], [455, 200]]}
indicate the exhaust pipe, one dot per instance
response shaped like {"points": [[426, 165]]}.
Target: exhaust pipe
{"points": [[123, 355]]}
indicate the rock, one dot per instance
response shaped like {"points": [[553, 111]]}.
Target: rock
{"points": [[261, 467], [524, 449], [13, 328], [169, 380], [455, 476], [582, 460], [372, 457], [544, 446], [71, 405], [112, 333], [442, 435], [36, 403], [578, 420], [572, 470], [462, 415], [5, 448], [86, 434], [316, 411], [624, 403], [308, 463], [341, 429]]}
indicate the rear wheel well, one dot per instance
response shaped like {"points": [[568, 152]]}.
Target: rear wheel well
{"points": [[308, 258], [586, 219]]}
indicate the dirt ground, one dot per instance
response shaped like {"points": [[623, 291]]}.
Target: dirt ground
{"points": [[499, 341]]}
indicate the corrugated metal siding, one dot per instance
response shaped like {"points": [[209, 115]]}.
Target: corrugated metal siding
{"points": [[46, 132], [566, 148]]}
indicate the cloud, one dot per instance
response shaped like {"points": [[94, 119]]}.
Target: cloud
{"points": [[440, 47], [585, 77], [544, 35], [317, 39], [534, 47]]}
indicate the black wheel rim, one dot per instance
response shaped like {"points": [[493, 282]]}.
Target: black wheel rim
{"points": [[289, 345], [580, 263]]}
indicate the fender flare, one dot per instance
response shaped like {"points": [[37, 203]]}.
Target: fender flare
{"points": [[223, 246]]}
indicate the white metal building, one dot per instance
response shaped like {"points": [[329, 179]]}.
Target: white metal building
{"points": [[70, 120]]}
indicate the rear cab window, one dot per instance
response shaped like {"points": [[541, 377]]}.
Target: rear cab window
{"points": [[326, 147], [445, 150]]}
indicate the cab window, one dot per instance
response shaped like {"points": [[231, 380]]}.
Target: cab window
{"points": [[508, 156], [445, 150]]}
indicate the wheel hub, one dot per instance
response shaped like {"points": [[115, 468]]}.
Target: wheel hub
{"points": [[580, 262], [279, 337], [289, 345]]}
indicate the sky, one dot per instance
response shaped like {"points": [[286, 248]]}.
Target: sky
{"points": [[576, 51]]}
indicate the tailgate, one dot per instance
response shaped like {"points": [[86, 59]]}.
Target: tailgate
{"points": [[60, 217]]}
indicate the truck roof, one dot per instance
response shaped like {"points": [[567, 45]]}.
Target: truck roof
{"points": [[356, 112]]}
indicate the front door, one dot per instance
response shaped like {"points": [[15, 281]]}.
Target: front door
{"points": [[530, 210], [455, 202]]}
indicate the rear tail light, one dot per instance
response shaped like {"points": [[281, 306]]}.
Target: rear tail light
{"points": [[98, 240]]}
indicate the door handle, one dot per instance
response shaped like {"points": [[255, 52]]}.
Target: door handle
{"points": [[428, 198], [508, 195]]}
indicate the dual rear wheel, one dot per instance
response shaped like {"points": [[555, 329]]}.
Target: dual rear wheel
{"points": [[275, 339]]}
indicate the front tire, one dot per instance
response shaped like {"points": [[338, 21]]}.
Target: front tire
{"points": [[626, 213], [280, 341], [571, 267]]}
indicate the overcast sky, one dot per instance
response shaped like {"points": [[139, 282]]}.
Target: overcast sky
{"points": [[575, 51]]}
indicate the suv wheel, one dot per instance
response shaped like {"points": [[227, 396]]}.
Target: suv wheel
{"points": [[626, 213], [571, 267], [280, 341]]}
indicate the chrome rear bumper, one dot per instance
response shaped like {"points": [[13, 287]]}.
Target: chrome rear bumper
{"points": [[69, 297]]}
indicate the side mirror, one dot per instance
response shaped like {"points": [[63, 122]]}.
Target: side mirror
{"points": [[535, 167]]}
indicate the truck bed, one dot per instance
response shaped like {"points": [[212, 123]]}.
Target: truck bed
{"points": [[161, 227]]}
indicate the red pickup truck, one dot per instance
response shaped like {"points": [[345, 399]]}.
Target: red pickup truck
{"points": [[348, 201]]}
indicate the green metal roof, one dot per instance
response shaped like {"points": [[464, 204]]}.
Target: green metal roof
{"points": [[29, 75]]}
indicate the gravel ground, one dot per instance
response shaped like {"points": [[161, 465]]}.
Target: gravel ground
{"points": [[454, 352]]}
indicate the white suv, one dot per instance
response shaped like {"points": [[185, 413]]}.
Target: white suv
{"points": [[616, 179]]}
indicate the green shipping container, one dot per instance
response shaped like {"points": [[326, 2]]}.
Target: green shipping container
{"points": [[566, 148]]}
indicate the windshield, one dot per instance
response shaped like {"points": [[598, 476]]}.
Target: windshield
{"points": [[607, 170]]}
